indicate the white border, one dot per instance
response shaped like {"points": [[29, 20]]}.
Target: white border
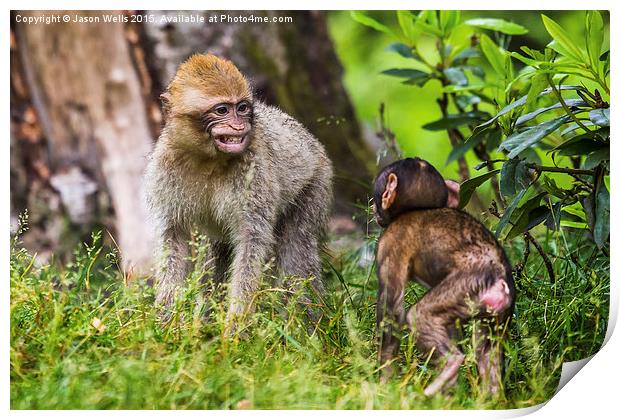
{"points": [[593, 393]]}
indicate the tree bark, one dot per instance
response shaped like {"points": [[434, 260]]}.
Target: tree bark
{"points": [[87, 96], [291, 65]]}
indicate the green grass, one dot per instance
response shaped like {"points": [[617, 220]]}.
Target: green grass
{"points": [[59, 360]]}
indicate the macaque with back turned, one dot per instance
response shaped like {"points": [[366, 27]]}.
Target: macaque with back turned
{"points": [[417, 184], [457, 258]]}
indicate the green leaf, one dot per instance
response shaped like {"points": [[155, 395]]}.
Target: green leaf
{"points": [[529, 156], [406, 21], [427, 22], [468, 187], [596, 157], [525, 60], [455, 120], [594, 35], [401, 49], [467, 100], [531, 115], [600, 117], [507, 178], [413, 76], [521, 101], [417, 81], [572, 224], [574, 126], [460, 149], [493, 54], [514, 177], [518, 142], [563, 39], [475, 70], [498, 25], [508, 68], [456, 76], [503, 221], [528, 215], [579, 147], [448, 19], [466, 54], [532, 219], [364, 19], [575, 209], [535, 54], [601, 226], [537, 84]]}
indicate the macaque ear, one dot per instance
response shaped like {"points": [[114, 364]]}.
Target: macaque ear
{"points": [[165, 103], [454, 189], [389, 195]]}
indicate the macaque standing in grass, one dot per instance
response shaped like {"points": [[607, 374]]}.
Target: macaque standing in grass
{"points": [[248, 175], [452, 254]]}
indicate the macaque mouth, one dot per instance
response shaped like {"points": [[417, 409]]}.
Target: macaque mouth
{"points": [[231, 144], [231, 140]]}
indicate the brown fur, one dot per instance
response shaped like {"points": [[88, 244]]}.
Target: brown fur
{"points": [[459, 260], [272, 199], [419, 186]]}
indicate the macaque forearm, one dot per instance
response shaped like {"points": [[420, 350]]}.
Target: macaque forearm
{"points": [[173, 265], [251, 252]]}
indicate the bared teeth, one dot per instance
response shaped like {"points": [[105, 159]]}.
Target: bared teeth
{"points": [[231, 140]]}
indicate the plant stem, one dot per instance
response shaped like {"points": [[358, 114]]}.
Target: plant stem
{"points": [[569, 171], [543, 255]]}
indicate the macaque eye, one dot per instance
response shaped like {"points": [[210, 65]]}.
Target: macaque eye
{"points": [[221, 110], [243, 107]]}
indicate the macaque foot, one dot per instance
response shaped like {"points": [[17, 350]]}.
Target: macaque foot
{"points": [[448, 375], [387, 372], [235, 319], [164, 301]]}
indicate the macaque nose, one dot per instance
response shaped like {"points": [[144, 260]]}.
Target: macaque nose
{"points": [[237, 127]]}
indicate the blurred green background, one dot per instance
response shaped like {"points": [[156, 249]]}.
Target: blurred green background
{"points": [[362, 53]]}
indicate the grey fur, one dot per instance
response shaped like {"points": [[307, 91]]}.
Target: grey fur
{"points": [[274, 198]]}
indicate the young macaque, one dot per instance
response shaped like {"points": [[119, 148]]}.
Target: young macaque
{"points": [[464, 267], [417, 184], [246, 174]]}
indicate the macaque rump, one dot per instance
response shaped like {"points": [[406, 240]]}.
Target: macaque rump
{"points": [[469, 278]]}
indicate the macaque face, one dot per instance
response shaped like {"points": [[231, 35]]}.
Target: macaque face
{"points": [[228, 125]]}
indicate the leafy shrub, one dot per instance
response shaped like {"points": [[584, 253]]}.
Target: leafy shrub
{"points": [[556, 104]]}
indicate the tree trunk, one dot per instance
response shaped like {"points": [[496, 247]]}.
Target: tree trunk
{"points": [[87, 96], [292, 65]]}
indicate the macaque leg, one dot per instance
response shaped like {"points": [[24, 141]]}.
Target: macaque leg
{"points": [[173, 268], [298, 247], [433, 320], [256, 239], [222, 254], [390, 311], [489, 357], [298, 260]]}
